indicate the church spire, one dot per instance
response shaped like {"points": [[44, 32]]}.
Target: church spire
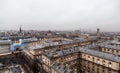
{"points": [[20, 29]]}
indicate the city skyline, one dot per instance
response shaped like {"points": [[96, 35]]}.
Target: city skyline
{"points": [[60, 15]]}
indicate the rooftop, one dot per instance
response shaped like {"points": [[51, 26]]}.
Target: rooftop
{"points": [[100, 54], [10, 69], [110, 46], [5, 41], [84, 50], [46, 44], [30, 40], [115, 42], [60, 68]]}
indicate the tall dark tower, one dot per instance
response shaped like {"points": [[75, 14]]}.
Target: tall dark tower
{"points": [[20, 29]]}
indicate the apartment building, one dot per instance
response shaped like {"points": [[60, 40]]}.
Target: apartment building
{"points": [[80, 60], [35, 51], [5, 46], [107, 47]]}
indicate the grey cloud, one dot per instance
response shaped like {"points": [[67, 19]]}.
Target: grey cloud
{"points": [[60, 14]]}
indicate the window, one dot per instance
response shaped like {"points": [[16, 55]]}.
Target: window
{"points": [[39, 52], [98, 60], [97, 65], [93, 58], [84, 55], [71, 57], [103, 62], [109, 70], [66, 64], [103, 70], [109, 64], [88, 62], [112, 51], [66, 59], [43, 59], [117, 51], [88, 56]]}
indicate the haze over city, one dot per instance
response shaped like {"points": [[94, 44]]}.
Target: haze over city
{"points": [[60, 14], [59, 36]]}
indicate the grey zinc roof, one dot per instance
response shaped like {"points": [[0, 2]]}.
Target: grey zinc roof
{"points": [[110, 47], [84, 50], [80, 39], [49, 44], [55, 43], [115, 42], [63, 52], [60, 68], [43, 45], [30, 39], [101, 54], [5, 41], [91, 46]]}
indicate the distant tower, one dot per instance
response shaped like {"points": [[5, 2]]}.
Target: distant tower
{"points": [[20, 29], [98, 32]]}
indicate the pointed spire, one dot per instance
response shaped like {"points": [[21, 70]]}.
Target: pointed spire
{"points": [[20, 29]]}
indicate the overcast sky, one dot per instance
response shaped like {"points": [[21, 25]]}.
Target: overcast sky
{"points": [[60, 14]]}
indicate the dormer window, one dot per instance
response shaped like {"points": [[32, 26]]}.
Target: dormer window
{"points": [[93, 58], [103, 62], [109, 64], [43, 59], [112, 51], [55, 54], [39, 52], [84, 55], [88, 56], [117, 51], [58, 67], [69, 58], [98, 60], [66, 58], [66, 64]]}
